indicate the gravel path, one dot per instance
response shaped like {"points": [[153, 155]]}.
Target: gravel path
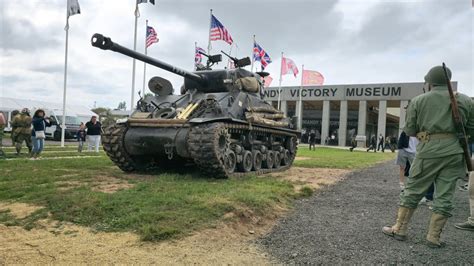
{"points": [[342, 224]]}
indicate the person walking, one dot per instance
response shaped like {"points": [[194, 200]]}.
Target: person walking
{"points": [[439, 157], [393, 143], [312, 140], [3, 123], [94, 129], [39, 123], [469, 224], [353, 144], [381, 143], [373, 144], [81, 136], [405, 156], [22, 124]]}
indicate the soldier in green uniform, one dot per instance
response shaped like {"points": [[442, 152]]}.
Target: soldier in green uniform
{"points": [[439, 157], [13, 134], [3, 123], [22, 124]]}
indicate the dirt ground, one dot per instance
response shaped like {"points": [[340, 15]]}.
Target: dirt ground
{"points": [[229, 243]]}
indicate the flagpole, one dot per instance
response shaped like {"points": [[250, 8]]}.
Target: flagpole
{"points": [[209, 43], [300, 109], [195, 49], [63, 124], [134, 62], [279, 86], [253, 59], [144, 64]]}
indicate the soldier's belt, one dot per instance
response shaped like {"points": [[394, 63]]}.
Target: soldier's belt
{"points": [[426, 136]]}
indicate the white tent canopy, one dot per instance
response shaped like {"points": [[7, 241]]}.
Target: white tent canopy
{"points": [[9, 104]]}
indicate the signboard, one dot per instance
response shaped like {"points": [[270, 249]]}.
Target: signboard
{"points": [[365, 92]]}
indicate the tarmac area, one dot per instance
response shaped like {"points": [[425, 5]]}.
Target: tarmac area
{"points": [[342, 224]]}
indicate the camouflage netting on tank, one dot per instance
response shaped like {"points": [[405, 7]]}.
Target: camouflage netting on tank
{"points": [[249, 84], [260, 118]]}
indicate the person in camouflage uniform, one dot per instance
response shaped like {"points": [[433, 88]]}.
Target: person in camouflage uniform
{"points": [[22, 125], [439, 156], [13, 134], [3, 123]]}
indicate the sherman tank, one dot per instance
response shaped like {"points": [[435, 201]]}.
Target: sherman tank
{"points": [[219, 121]]}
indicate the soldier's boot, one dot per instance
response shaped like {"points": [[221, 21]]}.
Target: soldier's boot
{"points": [[437, 224], [18, 148], [400, 228]]}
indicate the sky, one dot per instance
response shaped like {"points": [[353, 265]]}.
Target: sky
{"points": [[348, 41]]}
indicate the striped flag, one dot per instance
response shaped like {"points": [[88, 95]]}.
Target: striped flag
{"points": [[261, 56], [198, 55], [288, 67], [151, 36], [219, 32]]}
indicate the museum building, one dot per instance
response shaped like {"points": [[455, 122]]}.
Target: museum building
{"points": [[337, 113]]}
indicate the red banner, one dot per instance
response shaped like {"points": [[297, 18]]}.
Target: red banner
{"points": [[312, 78], [267, 81]]}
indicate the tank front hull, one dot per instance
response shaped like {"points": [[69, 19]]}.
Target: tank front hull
{"points": [[156, 142]]}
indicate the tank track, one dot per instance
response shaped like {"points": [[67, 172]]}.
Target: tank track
{"points": [[207, 148], [112, 142]]}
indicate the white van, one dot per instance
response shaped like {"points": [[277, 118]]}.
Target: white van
{"points": [[54, 131]]}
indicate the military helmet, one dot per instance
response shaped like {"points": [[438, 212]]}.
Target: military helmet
{"points": [[436, 76], [25, 111]]}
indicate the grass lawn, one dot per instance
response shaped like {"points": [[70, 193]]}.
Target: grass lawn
{"points": [[156, 206], [340, 158]]}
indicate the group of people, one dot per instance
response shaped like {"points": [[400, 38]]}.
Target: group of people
{"points": [[437, 162], [31, 131], [382, 143]]}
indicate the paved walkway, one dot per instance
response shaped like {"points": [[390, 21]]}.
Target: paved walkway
{"points": [[342, 224]]}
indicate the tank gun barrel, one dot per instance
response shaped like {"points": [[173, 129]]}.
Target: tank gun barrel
{"points": [[105, 43]]}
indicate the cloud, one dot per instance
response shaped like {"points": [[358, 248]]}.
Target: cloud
{"points": [[349, 41]]}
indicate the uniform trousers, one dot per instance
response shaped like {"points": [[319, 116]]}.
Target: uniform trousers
{"points": [[443, 172]]}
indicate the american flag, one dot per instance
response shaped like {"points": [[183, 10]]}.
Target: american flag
{"points": [[260, 55], [198, 55], [219, 32], [151, 36]]}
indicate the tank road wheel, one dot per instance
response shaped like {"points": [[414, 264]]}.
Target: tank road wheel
{"points": [[230, 161], [285, 156], [268, 163], [112, 141], [257, 160], [277, 160], [247, 161]]}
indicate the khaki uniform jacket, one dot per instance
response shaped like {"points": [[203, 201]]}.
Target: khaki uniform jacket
{"points": [[431, 112], [22, 124]]}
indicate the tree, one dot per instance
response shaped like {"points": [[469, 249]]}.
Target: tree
{"points": [[122, 106], [106, 117]]}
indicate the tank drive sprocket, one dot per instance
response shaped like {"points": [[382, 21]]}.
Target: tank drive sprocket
{"points": [[112, 141]]}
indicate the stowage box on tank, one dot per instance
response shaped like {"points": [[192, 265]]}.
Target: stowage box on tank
{"points": [[220, 122]]}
